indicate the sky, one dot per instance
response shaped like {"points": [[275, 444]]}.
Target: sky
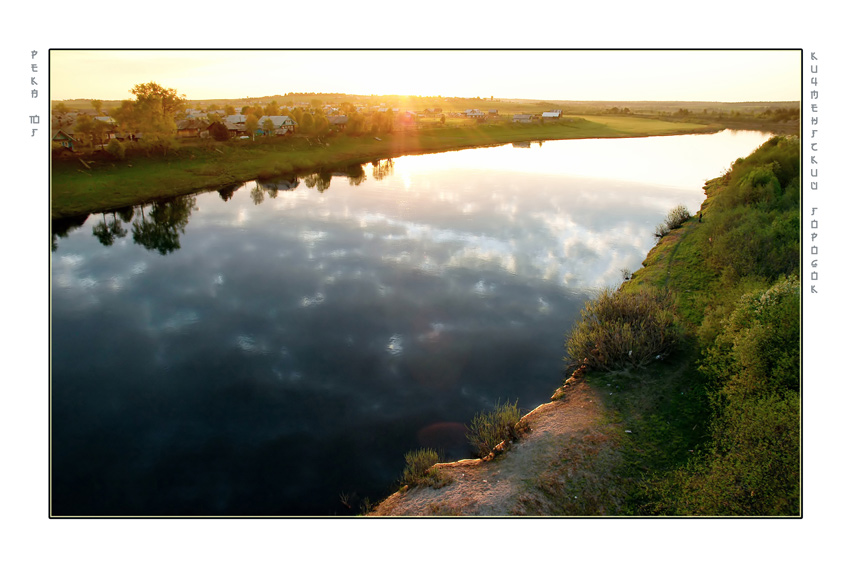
{"points": [[557, 74]]}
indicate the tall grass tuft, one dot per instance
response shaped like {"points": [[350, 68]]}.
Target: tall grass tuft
{"points": [[621, 330], [489, 429], [417, 470]]}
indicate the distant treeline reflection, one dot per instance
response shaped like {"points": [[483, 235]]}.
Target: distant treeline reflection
{"points": [[158, 226]]}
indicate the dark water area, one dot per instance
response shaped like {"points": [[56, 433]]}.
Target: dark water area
{"points": [[274, 349]]}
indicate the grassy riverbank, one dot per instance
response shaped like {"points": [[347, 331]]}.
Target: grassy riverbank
{"points": [[83, 184], [685, 398], [714, 429]]}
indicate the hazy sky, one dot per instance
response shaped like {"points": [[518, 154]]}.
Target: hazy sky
{"points": [[699, 75]]}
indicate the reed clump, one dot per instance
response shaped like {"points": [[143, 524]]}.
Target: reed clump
{"points": [[489, 429]]}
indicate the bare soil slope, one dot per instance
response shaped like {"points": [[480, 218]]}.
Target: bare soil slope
{"points": [[562, 466]]}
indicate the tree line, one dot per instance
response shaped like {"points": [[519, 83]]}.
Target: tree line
{"points": [[151, 119]]}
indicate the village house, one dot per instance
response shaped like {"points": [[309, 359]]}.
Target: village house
{"points": [[553, 115], [65, 140], [338, 122], [475, 113], [111, 130], [522, 118], [233, 129], [191, 128], [195, 114], [282, 124]]}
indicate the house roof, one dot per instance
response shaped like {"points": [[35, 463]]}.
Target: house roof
{"points": [[191, 124], [338, 120], [278, 121], [61, 135], [551, 114]]}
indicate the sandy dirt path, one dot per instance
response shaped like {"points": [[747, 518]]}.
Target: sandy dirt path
{"points": [[559, 467]]}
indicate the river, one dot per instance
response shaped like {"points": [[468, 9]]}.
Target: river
{"points": [[274, 348]]}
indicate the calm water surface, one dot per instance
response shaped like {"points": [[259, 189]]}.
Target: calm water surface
{"points": [[275, 348]]}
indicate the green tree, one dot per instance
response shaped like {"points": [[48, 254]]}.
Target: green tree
{"points": [[297, 115], [306, 123], [154, 111], [356, 124], [116, 149], [255, 110], [84, 129], [320, 125], [60, 110], [219, 132], [97, 105], [165, 100], [268, 126], [99, 129], [125, 115], [251, 125], [272, 109]]}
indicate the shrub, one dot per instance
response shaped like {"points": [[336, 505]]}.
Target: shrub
{"points": [[758, 349], [418, 464], [489, 429], [219, 132], [751, 468], [621, 330], [675, 218], [116, 149]]}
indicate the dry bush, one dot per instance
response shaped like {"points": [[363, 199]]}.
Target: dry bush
{"points": [[621, 330], [675, 218]]}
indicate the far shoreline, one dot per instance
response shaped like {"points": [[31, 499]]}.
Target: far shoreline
{"points": [[95, 182]]}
